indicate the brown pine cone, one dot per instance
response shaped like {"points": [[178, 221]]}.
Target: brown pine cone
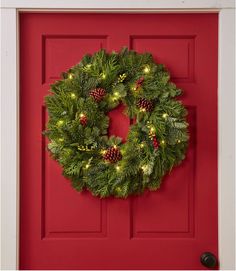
{"points": [[145, 105], [112, 155], [98, 94]]}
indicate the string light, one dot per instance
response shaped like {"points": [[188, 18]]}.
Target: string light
{"points": [[163, 142], [103, 151], [61, 139], [165, 115], [73, 96], [82, 115], [87, 166], [60, 122], [116, 94], [118, 189], [133, 87], [103, 75], [117, 168], [141, 145], [142, 109], [178, 141], [70, 76], [115, 147], [152, 129], [146, 69]]}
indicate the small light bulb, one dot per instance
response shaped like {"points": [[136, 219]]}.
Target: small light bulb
{"points": [[116, 93], [152, 130], [143, 110], [103, 151], [73, 96], [61, 139], [163, 142], [165, 115], [178, 141], [141, 145], [118, 189], [87, 166], [103, 76], [70, 76], [146, 69], [117, 168], [81, 115], [133, 87], [60, 122], [115, 147]]}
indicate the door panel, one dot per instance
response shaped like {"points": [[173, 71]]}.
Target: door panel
{"points": [[167, 229]]}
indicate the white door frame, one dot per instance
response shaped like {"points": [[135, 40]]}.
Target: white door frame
{"points": [[10, 107]]}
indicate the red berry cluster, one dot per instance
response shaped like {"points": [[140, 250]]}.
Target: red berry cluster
{"points": [[155, 142], [112, 155], [83, 120], [98, 94], [145, 104], [139, 83]]}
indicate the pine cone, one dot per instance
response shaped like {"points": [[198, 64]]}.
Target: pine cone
{"points": [[112, 155], [145, 104], [98, 94], [83, 120]]}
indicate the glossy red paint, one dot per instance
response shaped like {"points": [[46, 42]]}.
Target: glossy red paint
{"points": [[166, 229]]}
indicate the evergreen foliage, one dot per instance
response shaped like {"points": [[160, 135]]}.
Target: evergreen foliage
{"points": [[79, 147]]}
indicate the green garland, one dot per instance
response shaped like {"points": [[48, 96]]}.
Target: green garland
{"points": [[78, 124]]}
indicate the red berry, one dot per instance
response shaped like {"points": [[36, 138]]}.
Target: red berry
{"points": [[83, 120]]}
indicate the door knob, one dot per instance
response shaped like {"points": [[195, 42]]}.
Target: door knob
{"points": [[208, 260]]}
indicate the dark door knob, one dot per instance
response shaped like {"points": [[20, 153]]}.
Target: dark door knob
{"points": [[208, 260]]}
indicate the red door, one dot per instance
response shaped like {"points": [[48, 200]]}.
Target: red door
{"points": [[167, 229]]}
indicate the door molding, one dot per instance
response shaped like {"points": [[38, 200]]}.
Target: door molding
{"points": [[10, 107]]}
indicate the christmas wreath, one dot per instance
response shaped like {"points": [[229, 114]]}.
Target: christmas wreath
{"points": [[78, 123]]}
